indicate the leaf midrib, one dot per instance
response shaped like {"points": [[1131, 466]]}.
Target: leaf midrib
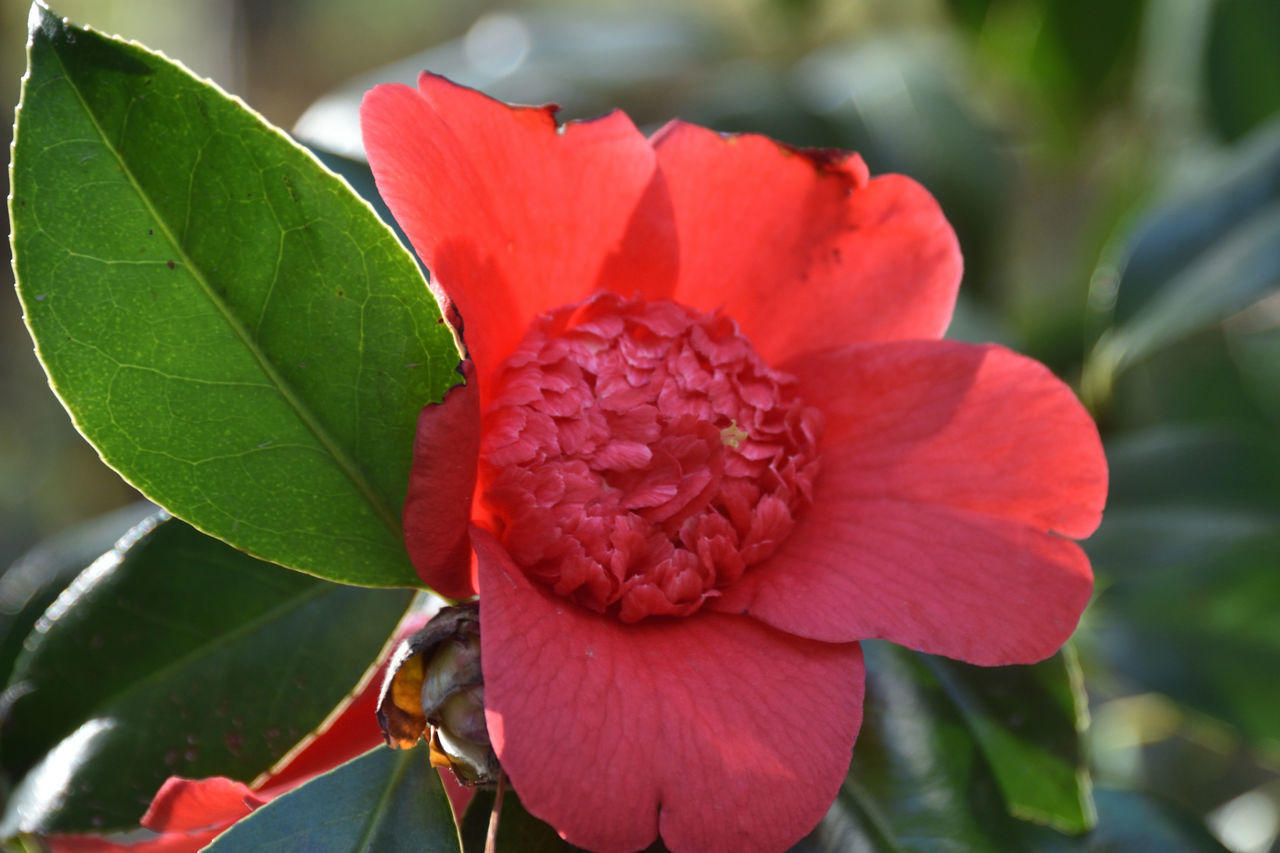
{"points": [[348, 466], [378, 813]]}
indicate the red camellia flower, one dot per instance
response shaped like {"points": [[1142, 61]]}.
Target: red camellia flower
{"points": [[714, 441]]}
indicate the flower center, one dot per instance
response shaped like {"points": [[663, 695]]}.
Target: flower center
{"points": [[638, 455]]}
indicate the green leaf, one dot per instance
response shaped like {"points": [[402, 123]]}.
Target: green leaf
{"points": [[1242, 65], [383, 801], [919, 780], [1182, 494], [1194, 262], [175, 654], [228, 324], [34, 580], [1237, 270], [1026, 721], [1255, 348], [1172, 236], [1204, 632]]}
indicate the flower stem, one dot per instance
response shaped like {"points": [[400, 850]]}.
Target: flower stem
{"points": [[491, 840]]}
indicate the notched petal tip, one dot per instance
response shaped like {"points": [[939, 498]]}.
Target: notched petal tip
{"points": [[825, 161]]}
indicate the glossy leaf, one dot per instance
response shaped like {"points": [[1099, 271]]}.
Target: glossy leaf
{"points": [[360, 177], [1236, 271], [919, 780], [34, 580], [175, 654], [228, 324], [384, 801], [1196, 261], [1026, 721], [1170, 237]]}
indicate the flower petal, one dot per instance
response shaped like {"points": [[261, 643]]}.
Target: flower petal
{"points": [[716, 731], [943, 467], [187, 805], [442, 481], [974, 427], [800, 248], [493, 199], [936, 580]]}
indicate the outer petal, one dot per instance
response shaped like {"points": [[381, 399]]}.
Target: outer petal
{"points": [[943, 466], [974, 427], [800, 248], [187, 805], [442, 481], [513, 215], [716, 731]]}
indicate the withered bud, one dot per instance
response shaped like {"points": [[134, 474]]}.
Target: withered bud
{"points": [[434, 688]]}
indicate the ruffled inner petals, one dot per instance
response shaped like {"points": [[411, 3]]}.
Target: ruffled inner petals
{"points": [[638, 455]]}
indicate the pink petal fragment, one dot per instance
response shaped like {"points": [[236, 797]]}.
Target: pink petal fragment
{"points": [[187, 805], [442, 482], [814, 256], [492, 198], [716, 731]]}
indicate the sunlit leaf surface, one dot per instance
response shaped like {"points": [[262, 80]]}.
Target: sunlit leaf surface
{"points": [[232, 328]]}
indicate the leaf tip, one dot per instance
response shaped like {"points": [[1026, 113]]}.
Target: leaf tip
{"points": [[41, 20]]}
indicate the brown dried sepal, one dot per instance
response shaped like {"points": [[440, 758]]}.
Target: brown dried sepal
{"points": [[434, 688]]}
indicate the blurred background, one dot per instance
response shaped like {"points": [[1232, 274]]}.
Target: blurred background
{"points": [[1112, 168]]}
